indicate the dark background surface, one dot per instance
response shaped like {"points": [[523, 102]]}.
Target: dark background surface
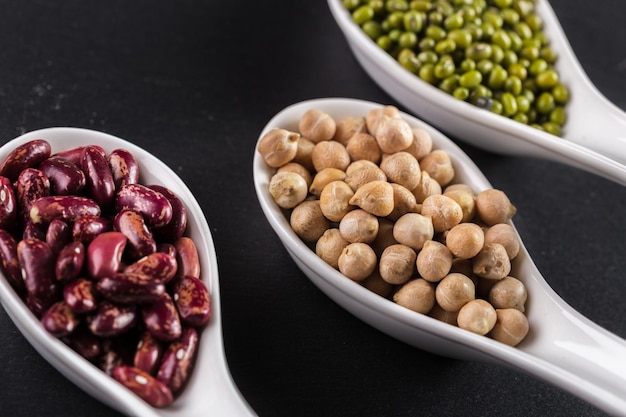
{"points": [[194, 82]]}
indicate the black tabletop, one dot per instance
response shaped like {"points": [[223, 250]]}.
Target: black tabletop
{"points": [[194, 82]]}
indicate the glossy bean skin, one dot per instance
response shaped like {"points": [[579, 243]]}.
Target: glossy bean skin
{"points": [[161, 319], [167, 248], [26, 155], [59, 320], [38, 261], [112, 319], [158, 266], [148, 353], [124, 167], [66, 178], [178, 360], [133, 226], [99, 178], [192, 301], [104, 254], [31, 184], [187, 258], [175, 228], [9, 261], [86, 228], [8, 204], [81, 296], [70, 261], [68, 208], [34, 231], [126, 288], [144, 385], [152, 205], [58, 235]]}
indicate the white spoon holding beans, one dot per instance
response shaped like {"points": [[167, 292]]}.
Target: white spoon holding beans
{"points": [[210, 389], [563, 347], [594, 135]]}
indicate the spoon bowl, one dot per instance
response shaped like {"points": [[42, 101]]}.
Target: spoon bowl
{"points": [[594, 136], [210, 389], [563, 347]]}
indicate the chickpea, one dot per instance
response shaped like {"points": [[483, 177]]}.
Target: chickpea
{"points": [[439, 166], [359, 226], [288, 189], [492, 262], [375, 197], [511, 326], [357, 261], [298, 169], [417, 295], [348, 127], [403, 202], [454, 291], [504, 234], [363, 171], [330, 154], [304, 153], [317, 126], [464, 195], [334, 200], [393, 134], [434, 261], [384, 237], [465, 240], [426, 187], [308, 221], [413, 230], [509, 292], [323, 178], [402, 168], [329, 246], [373, 116], [397, 264], [377, 285], [363, 146], [444, 211], [493, 207], [422, 143], [440, 314], [477, 316], [278, 146]]}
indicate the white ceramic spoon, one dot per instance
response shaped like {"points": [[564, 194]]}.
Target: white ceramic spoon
{"points": [[563, 347], [594, 136], [211, 390]]}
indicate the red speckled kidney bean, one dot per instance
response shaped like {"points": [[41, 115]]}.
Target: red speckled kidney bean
{"points": [[31, 184], [86, 228], [161, 319], [104, 254], [144, 385], [81, 296], [192, 300], [59, 319], [9, 261], [27, 155], [99, 178], [85, 343], [65, 177], [112, 319], [8, 204], [187, 258], [178, 360], [158, 266], [128, 288], [148, 353], [75, 154], [58, 235], [175, 228], [124, 167], [70, 261], [38, 261], [68, 208], [152, 205], [140, 239]]}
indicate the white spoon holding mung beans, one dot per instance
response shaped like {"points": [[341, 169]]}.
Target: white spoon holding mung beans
{"points": [[210, 389], [563, 347], [593, 137]]}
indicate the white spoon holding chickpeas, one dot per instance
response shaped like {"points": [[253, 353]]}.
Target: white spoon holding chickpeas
{"points": [[450, 274]]}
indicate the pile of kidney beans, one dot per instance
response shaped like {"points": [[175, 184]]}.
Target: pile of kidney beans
{"points": [[104, 263]]}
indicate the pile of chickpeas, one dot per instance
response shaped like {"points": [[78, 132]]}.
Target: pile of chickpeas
{"points": [[491, 53], [376, 201]]}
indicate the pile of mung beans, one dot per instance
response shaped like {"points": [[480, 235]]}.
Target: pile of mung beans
{"points": [[375, 199], [104, 262], [491, 53]]}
